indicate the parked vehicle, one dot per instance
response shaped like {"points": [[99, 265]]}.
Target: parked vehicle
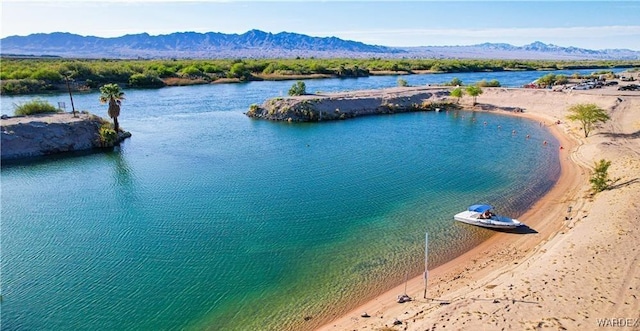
{"points": [[630, 87]]}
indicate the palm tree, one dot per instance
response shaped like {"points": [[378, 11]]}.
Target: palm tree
{"points": [[112, 94]]}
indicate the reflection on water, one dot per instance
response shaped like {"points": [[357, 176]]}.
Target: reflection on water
{"points": [[207, 219]]}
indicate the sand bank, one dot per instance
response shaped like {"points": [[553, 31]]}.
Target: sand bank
{"points": [[582, 267]]}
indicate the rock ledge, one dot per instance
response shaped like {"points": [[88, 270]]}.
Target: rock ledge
{"points": [[46, 134], [336, 106]]}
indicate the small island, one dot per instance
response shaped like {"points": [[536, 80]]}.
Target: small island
{"points": [[53, 133], [343, 105]]}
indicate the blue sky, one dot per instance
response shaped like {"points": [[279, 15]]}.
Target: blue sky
{"points": [[586, 24]]}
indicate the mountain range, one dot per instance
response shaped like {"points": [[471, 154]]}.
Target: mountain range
{"points": [[260, 44]]}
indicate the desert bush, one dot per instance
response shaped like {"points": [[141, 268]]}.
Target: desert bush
{"points": [[145, 80], [253, 109], [491, 83], [454, 82], [21, 74], [561, 80], [107, 135], [600, 178], [238, 70], [299, 88], [402, 82], [35, 106], [270, 68], [47, 75], [23, 86], [546, 80], [211, 69], [191, 71]]}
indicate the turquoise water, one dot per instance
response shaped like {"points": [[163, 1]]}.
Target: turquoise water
{"points": [[206, 219]]}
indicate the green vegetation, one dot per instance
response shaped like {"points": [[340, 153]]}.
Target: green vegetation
{"points": [[553, 79], [491, 83], [35, 106], [457, 93], [402, 82], [474, 91], [32, 75], [588, 115], [600, 179], [299, 88], [108, 137], [454, 82], [23, 86], [253, 110], [145, 80], [112, 94]]}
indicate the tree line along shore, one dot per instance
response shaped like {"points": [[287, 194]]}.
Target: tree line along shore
{"points": [[28, 75]]}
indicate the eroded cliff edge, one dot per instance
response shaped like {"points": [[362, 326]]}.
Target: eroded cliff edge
{"points": [[46, 134], [343, 105]]}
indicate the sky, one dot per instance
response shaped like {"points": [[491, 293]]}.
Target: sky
{"points": [[584, 24]]}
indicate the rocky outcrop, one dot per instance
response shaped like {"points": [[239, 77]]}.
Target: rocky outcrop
{"points": [[335, 106], [38, 135]]}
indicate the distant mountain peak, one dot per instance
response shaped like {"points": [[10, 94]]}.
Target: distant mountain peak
{"points": [[261, 44], [253, 43]]}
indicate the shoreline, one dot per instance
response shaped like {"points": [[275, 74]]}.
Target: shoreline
{"points": [[468, 262], [80, 86], [466, 280]]}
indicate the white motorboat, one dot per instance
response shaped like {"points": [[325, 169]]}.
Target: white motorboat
{"points": [[483, 215]]}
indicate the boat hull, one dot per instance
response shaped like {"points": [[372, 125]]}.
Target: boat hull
{"points": [[495, 222]]}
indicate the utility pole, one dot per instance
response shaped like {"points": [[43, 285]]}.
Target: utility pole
{"points": [[66, 79]]}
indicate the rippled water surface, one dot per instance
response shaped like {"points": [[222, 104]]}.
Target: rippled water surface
{"points": [[206, 219]]}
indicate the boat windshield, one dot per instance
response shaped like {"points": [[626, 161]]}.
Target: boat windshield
{"points": [[480, 208]]}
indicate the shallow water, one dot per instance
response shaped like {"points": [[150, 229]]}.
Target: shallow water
{"points": [[208, 219]]}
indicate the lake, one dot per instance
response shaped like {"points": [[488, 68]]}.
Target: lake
{"points": [[206, 219]]}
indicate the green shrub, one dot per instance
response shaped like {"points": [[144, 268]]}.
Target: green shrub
{"points": [[47, 75], [21, 74], [299, 88], [108, 136], [145, 80], [35, 106], [239, 70], [270, 68], [491, 83], [454, 82], [402, 82], [600, 179], [191, 71], [23, 86], [164, 71], [561, 80], [253, 109], [552, 79], [211, 69]]}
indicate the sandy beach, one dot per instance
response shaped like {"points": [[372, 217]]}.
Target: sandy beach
{"points": [[579, 271]]}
